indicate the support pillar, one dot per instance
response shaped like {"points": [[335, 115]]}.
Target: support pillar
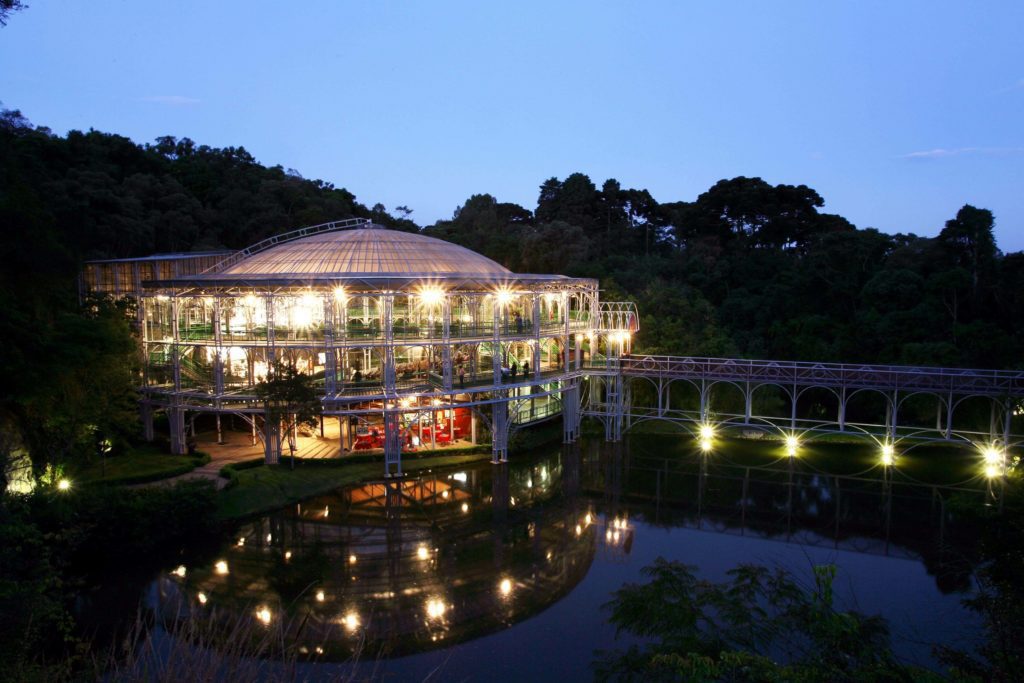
{"points": [[271, 439], [949, 417], [794, 396], [1007, 417], [992, 420], [176, 425]]}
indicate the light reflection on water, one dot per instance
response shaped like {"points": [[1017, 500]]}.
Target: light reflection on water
{"points": [[466, 558]]}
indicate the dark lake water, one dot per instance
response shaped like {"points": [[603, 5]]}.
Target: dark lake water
{"points": [[500, 572]]}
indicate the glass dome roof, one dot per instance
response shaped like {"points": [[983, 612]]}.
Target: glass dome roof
{"points": [[364, 252]]}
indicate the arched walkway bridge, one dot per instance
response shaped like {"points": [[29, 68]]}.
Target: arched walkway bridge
{"points": [[887, 400]]}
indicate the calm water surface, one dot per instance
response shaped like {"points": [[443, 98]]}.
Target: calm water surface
{"points": [[500, 573]]}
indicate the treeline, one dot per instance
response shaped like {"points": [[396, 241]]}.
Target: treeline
{"points": [[747, 268], [757, 270]]}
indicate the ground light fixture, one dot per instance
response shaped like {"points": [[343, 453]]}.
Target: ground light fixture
{"points": [[792, 444], [888, 454], [994, 459], [64, 485]]}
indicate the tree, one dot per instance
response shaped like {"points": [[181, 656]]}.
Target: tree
{"points": [[290, 401], [739, 630], [970, 244], [9, 6]]}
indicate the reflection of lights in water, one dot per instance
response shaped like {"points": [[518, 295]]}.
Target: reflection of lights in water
{"points": [[435, 608], [180, 571], [422, 552], [352, 559], [221, 567], [320, 596], [505, 587], [705, 445], [264, 615], [991, 471], [202, 598], [615, 537], [351, 621], [465, 507], [608, 535]]}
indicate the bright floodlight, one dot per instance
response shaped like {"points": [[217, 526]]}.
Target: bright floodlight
{"points": [[431, 296], [505, 586], [422, 552], [505, 296], [887, 454], [340, 295], [707, 432], [705, 445], [991, 471], [992, 455], [221, 567], [64, 484]]}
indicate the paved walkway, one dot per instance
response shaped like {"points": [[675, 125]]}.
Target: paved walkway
{"points": [[237, 447]]}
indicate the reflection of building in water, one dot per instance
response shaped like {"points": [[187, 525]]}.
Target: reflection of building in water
{"points": [[408, 563]]}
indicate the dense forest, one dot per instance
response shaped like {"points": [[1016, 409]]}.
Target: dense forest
{"points": [[746, 268]]}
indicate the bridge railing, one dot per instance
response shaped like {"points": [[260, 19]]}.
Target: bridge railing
{"points": [[855, 375]]}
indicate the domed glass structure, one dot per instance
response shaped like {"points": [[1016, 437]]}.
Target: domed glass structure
{"points": [[410, 340]]}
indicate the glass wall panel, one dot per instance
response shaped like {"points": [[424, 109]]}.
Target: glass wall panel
{"points": [[244, 318], [159, 318]]}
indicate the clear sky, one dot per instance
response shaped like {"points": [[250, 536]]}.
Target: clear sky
{"points": [[897, 113]]}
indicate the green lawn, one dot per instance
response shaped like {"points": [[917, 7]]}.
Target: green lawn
{"points": [[268, 487], [145, 463]]}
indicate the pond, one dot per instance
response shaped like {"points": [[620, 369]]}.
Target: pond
{"points": [[501, 572]]}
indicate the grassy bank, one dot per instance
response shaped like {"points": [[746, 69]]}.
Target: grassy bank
{"points": [[144, 464], [268, 487]]}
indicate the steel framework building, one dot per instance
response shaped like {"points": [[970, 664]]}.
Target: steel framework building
{"points": [[405, 335]]}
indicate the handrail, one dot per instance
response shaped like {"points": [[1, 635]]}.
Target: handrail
{"points": [[274, 240], [865, 375]]}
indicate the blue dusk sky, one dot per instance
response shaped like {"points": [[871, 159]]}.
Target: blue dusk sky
{"points": [[897, 113]]}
